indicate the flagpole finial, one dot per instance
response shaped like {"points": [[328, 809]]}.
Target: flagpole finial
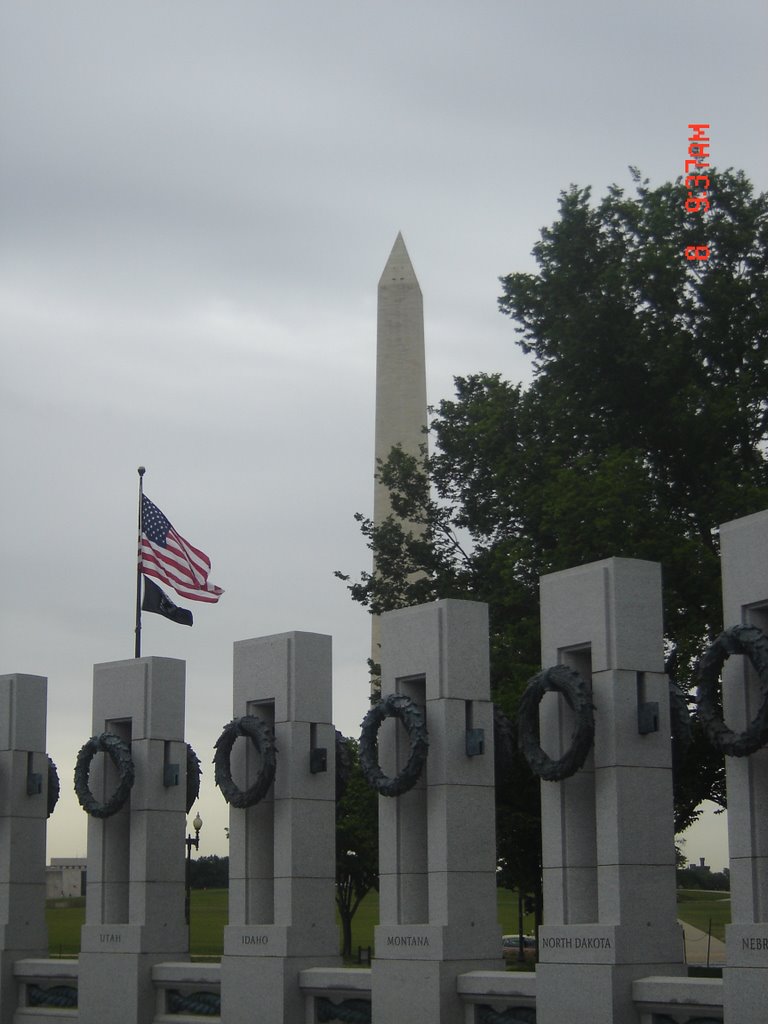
{"points": [[142, 470]]}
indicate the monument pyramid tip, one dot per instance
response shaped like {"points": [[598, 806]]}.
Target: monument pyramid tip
{"points": [[398, 266]]}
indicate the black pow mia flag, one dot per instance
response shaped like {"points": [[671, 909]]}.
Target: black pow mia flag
{"points": [[156, 600]]}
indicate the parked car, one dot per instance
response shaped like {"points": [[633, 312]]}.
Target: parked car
{"points": [[510, 947]]}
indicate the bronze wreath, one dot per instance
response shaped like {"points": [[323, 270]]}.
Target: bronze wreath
{"points": [[119, 753], [263, 740], [560, 679], [413, 718], [193, 778], [54, 787], [753, 643]]}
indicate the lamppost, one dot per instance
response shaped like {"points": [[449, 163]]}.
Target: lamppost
{"points": [[197, 824]]}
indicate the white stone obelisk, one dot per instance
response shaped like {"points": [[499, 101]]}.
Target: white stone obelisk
{"points": [[401, 378]]}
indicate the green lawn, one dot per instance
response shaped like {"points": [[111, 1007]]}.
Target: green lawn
{"points": [[209, 916], [367, 917], [65, 918], [701, 909]]}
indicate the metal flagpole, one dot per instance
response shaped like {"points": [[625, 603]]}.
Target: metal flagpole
{"points": [[137, 647]]}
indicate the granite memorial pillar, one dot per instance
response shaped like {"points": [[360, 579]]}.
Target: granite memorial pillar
{"points": [[135, 886], [23, 812], [282, 849], [607, 831], [744, 553], [437, 850]]}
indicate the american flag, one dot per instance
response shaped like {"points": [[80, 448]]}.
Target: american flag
{"points": [[165, 554]]}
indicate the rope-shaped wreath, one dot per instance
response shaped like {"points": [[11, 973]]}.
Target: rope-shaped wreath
{"points": [[264, 741], [663, 1018], [60, 996], [413, 718], [205, 1004], [753, 643], [193, 778], [348, 1011], [119, 754], [54, 787], [512, 1015], [564, 680]]}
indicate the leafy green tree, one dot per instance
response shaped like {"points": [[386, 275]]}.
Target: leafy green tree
{"points": [[211, 872], [696, 876], [644, 428], [357, 845], [518, 821]]}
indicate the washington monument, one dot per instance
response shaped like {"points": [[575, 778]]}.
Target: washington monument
{"points": [[401, 379]]}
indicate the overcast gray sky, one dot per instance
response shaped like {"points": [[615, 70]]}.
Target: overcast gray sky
{"points": [[198, 199]]}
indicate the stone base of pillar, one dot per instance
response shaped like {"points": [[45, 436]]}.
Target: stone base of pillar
{"points": [[117, 987], [420, 991], [582, 993], [9, 989], [745, 978], [265, 988]]}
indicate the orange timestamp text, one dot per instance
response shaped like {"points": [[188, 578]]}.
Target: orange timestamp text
{"points": [[697, 185]]}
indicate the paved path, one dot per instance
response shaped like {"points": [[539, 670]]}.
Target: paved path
{"points": [[697, 943]]}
